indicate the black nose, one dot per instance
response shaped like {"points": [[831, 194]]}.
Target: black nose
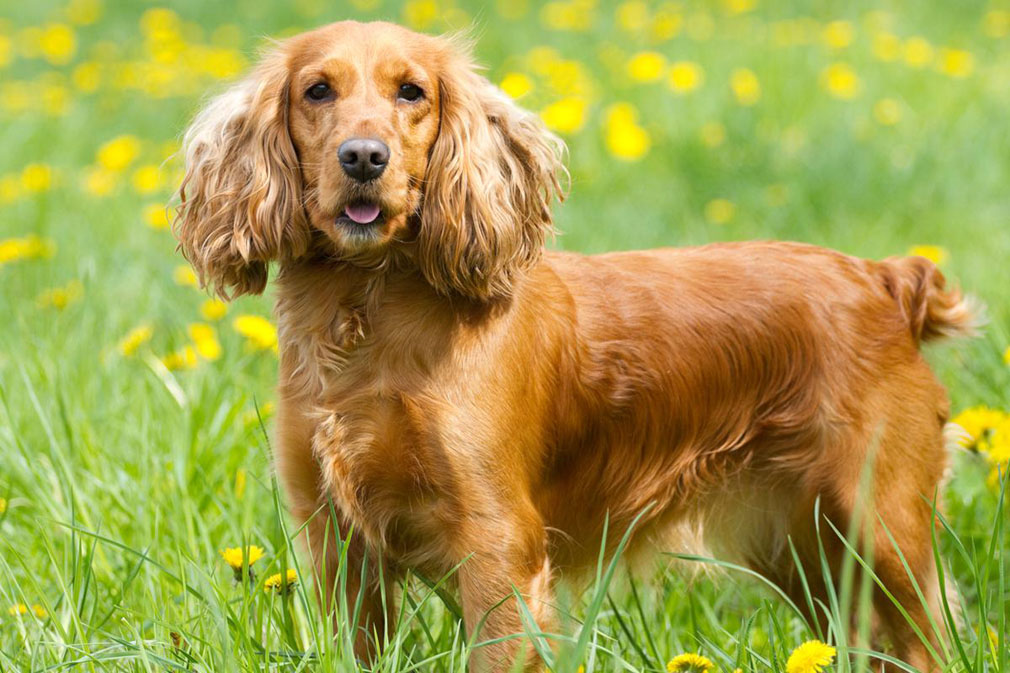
{"points": [[363, 159]]}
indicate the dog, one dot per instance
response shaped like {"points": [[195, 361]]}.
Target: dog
{"points": [[457, 395]]}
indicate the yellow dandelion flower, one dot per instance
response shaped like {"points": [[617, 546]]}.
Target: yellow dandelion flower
{"points": [[259, 331], [979, 423], [158, 20], [213, 309], [39, 611], [241, 560], [632, 16], [566, 77], [838, 34], [156, 216], [886, 47], [36, 177], [998, 449], [516, 85], [745, 86], [100, 181], [147, 179], [223, 63], [685, 76], [542, 59], [567, 15], [667, 22], [956, 62], [60, 297], [689, 663], [10, 189], [739, 6], [567, 115], [887, 111], [118, 153], [29, 247], [625, 138], [841, 81], [57, 43], [17, 609], [238, 557], [934, 253], [918, 52], [240, 478], [134, 339], [185, 276], [6, 51], [719, 211], [3, 505], [278, 583], [810, 657], [1006, 355], [205, 341], [646, 66], [184, 358], [996, 23], [420, 14]]}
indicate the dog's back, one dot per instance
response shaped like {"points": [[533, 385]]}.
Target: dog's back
{"points": [[730, 387]]}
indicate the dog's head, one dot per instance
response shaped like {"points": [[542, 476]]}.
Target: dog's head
{"points": [[367, 139]]}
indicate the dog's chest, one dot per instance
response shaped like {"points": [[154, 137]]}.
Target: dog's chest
{"points": [[384, 466]]}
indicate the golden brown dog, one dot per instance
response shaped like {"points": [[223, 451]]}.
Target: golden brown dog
{"points": [[456, 392]]}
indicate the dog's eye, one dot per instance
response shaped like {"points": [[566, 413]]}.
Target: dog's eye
{"points": [[319, 91], [409, 92]]}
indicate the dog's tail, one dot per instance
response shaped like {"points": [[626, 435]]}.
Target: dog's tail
{"points": [[931, 310]]}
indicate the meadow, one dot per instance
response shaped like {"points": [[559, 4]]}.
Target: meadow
{"points": [[135, 411]]}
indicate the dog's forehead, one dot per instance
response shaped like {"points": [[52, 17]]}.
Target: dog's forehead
{"points": [[375, 42]]}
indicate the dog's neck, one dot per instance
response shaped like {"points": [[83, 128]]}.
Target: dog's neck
{"points": [[330, 313]]}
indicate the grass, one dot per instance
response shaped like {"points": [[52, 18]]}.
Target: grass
{"points": [[121, 480]]}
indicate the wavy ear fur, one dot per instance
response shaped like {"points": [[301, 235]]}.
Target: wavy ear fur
{"points": [[241, 199], [491, 177]]}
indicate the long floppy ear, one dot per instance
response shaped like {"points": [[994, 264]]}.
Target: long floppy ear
{"points": [[241, 199], [492, 175]]}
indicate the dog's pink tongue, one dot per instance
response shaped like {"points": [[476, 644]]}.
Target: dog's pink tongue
{"points": [[362, 213]]}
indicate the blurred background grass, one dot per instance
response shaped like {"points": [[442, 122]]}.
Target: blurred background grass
{"points": [[129, 398]]}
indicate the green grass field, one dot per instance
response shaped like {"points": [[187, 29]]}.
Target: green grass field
{"points": [[135, 415]]}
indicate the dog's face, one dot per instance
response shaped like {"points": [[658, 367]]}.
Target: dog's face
{"points": [[363, 116], [355, 141]]}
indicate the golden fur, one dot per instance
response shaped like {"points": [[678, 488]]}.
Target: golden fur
{"points": [[456, 392]]}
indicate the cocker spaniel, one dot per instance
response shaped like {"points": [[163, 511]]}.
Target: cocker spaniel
{"points": [[458, 395]]}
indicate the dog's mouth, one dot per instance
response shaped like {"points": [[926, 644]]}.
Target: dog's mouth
{"points": [[361, 214]]}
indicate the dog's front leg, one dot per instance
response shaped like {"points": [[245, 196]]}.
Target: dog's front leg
{"points": [[360, 596], [357, 589], [502, 563]]}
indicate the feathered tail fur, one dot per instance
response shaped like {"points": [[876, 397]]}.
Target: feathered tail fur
{"points": [[932, 310]]}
